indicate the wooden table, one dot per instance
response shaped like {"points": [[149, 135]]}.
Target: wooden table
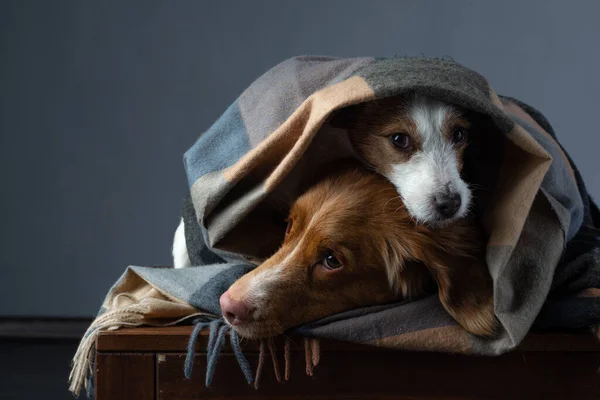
{"points": [[147, 363]]}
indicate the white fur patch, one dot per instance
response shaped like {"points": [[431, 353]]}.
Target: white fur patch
{"points": [[433, 168], [181, 258], [262, 281], [258, 288]]}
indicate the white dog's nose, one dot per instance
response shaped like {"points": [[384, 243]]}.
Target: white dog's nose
{"points": [[447, 204]]}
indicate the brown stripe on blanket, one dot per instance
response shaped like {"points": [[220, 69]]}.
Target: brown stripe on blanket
{"points": [[297, 79], [520, 113], [451, 339], [269, 214], [286, 145], [246, 205], [523, 168], [319, 106], [496, 100]]}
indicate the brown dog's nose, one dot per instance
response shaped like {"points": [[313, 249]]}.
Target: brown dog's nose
{"points": [[234, 311]]}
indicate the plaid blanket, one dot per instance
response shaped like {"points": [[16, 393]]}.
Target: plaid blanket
{"points": [[543, 251]]}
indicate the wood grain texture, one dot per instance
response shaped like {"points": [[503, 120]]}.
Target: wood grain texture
{"points": [[122, 376], [386, 375], [147, 363]]}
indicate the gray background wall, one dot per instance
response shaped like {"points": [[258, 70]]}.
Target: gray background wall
{"points": [[98, 102]]}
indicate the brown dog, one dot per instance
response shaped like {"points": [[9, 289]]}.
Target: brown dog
{"points": [[350, 243]]}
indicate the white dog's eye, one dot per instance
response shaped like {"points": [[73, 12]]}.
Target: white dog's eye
{"points": [[459, 135], [401, 141]]}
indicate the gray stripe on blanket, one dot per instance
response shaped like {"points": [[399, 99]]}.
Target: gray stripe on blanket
{"points": [[221, 221], [297, 78], [219, 147], [521, 287], [442, 79], [208, 296], [185, 283], [205, 200], [378, 322]]}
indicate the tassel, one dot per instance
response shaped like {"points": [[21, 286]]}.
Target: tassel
{"points": [[286, 352], [218, 330], [308, 357], [237, 351], [261, 363], [275, 360], [191, 348], [212, 337], [316, 352], [213, 355]]}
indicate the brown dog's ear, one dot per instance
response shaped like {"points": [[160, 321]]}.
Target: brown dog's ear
{"points": [[466, 292], [464, 283]]}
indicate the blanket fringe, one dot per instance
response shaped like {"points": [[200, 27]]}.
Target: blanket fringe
{"points": [[82, 372], [308, 358], [315, 350], [216, 340], [275, 360], [286, 356], [239, 355], [122, 316], [82, 364], [191, 347], [261, 363], [312, 354]]}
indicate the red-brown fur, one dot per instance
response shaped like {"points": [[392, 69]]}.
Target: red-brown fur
{"points": [[359, 217]]}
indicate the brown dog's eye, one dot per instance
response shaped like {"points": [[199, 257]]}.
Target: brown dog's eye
{"points": [[459, 135], [401, 141], [289, 226], [331, 262]]}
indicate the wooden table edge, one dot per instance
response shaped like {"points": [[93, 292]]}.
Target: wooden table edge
{"points": [[175, 339]]}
